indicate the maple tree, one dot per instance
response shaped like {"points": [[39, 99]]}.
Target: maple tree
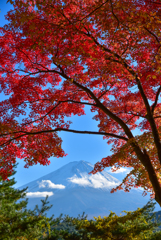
{"points": [[56, 57]]}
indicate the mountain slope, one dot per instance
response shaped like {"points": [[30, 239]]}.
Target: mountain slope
{"points": [[73, 191]]}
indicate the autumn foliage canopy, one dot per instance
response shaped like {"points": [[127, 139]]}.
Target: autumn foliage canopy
{"points": [[57, 56]]}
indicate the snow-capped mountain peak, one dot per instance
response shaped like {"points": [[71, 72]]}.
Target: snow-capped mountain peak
{"points": [[72, 190], [71, 175]]}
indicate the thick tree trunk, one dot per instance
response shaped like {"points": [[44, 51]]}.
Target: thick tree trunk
{"points": [[153, 178], [145, 160]]}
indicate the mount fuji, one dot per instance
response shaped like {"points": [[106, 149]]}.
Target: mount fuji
{"points": [[73, 191]]}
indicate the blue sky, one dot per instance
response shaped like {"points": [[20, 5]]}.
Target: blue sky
{"points": [[89, 148]]}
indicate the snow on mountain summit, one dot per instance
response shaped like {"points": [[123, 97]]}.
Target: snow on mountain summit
{"points": [[98, 180], [73, 191], [72, 175]]}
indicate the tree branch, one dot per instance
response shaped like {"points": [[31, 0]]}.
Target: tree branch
{"points": [[85, 103], [25, 102], [118, 22], [24, 133], [81, 132], [152, 34], [105, 110], [156, 100], [42, 116], [93, 11], [149, 115], [157, 116]]}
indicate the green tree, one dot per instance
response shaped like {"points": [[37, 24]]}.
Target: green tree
{"points": [[16, 222], [133, 225]]}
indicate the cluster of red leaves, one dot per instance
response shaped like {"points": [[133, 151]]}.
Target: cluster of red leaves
{"points": [[56, 56], [125, 157]]}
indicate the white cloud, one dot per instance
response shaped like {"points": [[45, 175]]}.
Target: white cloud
{"points": [[49, 184], [80, 181], [95, 181], [39, 194], [120, 170]]}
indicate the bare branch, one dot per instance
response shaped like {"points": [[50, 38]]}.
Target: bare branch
{"points": [[24, 133], [83, 103], [81, 132]]}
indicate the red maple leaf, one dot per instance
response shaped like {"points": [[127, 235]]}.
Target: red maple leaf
{"points": [[58, 56]]}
